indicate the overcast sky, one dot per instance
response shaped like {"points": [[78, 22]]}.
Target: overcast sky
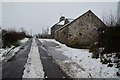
{"points": [[37, 15]]}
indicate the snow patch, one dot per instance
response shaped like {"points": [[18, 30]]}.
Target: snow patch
{"points": [[33, 67], [61, 23], [43, 48], [80, 64], [24, 40], [8, 53]]}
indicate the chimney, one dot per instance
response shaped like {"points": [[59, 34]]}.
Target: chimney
{"points": [[61, 18], [66, 21]]}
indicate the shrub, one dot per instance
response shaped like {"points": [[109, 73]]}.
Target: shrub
{"points": [[110, 39], [108, 47], [11, 37]]}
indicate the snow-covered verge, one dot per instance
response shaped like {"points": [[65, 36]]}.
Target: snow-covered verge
{"points": [[4, 52], [24, 40], [33, 67], [8, 53], [80, 64]]}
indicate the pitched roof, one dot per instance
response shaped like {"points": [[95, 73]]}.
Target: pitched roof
{"points": [[89, 11], [63, 22]]}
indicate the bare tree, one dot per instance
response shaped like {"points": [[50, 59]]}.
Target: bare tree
{"points": [[110, 19]]}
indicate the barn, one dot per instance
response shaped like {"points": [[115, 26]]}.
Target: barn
{"points": [[81, 32]]}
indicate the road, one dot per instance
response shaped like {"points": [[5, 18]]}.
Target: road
{"points": [[51, 59], [51, 69], [14, 68]]}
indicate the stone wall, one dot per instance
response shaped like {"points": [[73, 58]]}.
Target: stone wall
{"points": [[62, 35], [53, 29], [82, 31]]}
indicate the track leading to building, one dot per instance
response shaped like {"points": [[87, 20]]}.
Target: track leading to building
{"points": [[52, 70]]}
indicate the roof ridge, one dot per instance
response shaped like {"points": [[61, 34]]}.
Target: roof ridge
{"points": [[75, 19]]}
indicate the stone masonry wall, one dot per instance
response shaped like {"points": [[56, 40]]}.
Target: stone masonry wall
{"points": [[84, 30]]}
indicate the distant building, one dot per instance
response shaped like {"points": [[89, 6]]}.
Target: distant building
{"points": [[118, 12], [81, 31]]}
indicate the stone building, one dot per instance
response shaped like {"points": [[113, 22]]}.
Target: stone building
{"points": [[82, 31], [61, 23]]}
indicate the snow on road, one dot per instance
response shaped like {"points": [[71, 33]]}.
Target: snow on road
{"points": [[80, 64], [33, 67]]}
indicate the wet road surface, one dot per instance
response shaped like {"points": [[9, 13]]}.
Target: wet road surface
{"points": [[51, 69], [14, 68]]}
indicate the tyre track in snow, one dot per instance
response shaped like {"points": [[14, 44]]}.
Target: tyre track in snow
{"points": [[14, 68], [51, 69]]}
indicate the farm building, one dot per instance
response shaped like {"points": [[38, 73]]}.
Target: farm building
{"points": [[82, 31], [61, 23]]}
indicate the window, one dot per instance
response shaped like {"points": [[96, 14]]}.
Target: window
{"points": [[64, 33], [87, 14], [80, 33], [70, 35], [83, 29]]}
